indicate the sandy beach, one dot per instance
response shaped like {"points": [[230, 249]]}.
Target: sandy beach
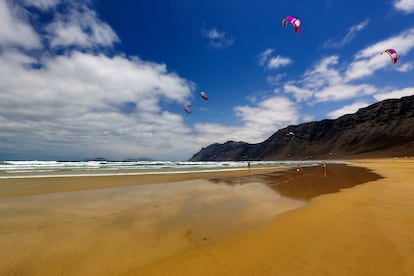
{"points": [[247, 222], [366, 230]]}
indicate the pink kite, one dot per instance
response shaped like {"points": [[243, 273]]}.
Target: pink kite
{"points": [[295, 21], [393, 54]]}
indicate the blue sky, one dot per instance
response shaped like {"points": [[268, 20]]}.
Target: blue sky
{"points": [[83, 79]]}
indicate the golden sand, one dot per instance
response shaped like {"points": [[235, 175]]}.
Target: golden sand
{"points": [[71, 226], [366, 230]]}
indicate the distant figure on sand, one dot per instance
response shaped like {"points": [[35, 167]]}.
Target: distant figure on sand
{"points": [[324, 169], [299, 170], [248, 165]]}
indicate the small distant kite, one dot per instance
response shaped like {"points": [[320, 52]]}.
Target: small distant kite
{"points": [[290, 134], [295, 21], [204, 95], [393, 54], [187, 107]]}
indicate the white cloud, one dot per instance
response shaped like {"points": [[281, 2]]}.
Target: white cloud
{"points": [[395, 94], [265, 59], [79, 104], [42, 4], [322, 74], [405, 67], [369, 60], [83, 105], [275, 80], [79, 101], [352, 32], [217, 39], [15, 29], [264, 56], [277, 62], [324, 83], [343, 92], [80, 27], [268, 113], [406, 6], [300, 94], [348, 109], [260, 121]]}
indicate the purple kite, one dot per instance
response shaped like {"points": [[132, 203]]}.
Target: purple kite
{"points": [[393, 54], [297, 25], [204, 95], [187, 107]]}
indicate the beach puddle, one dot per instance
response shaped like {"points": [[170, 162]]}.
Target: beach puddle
{"points": [[310, 181], [108, 231]]}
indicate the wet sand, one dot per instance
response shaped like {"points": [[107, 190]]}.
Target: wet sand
{"points": [[234, 223], [13, 187], [365, 230]]}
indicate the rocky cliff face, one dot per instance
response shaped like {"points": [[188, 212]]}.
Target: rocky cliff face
{"points": [[384, 129]]}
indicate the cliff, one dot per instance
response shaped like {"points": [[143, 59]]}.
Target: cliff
{"points": [[384, 129]]}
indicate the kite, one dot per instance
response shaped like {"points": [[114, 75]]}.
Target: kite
{"points": [[393, 54], [204, 95], [187, 108], [297, 25]]}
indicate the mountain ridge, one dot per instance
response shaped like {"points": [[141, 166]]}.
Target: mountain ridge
{"points": [[383, 129]]}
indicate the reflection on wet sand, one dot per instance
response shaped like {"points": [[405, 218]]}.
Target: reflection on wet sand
{"points": [[106, 231], [304, 183]]}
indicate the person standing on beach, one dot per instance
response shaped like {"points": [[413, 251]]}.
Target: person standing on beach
{"points": [[324, 170], [299, 170]]}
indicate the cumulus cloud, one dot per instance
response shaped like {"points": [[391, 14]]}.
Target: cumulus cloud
{"points": [[217, 39], [343, 92], [352, 32], [322, 74], [300, 94], [348, 109], [81, 104], [15, 29], [328, 81], [324, 83], [369, 60], [406, 6], [80, 100], [80, 26]]}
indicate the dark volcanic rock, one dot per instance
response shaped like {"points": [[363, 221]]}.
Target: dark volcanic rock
{"points": [[384, 129]]}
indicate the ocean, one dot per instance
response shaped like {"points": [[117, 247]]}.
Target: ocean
{"points": [[29, 169]]}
